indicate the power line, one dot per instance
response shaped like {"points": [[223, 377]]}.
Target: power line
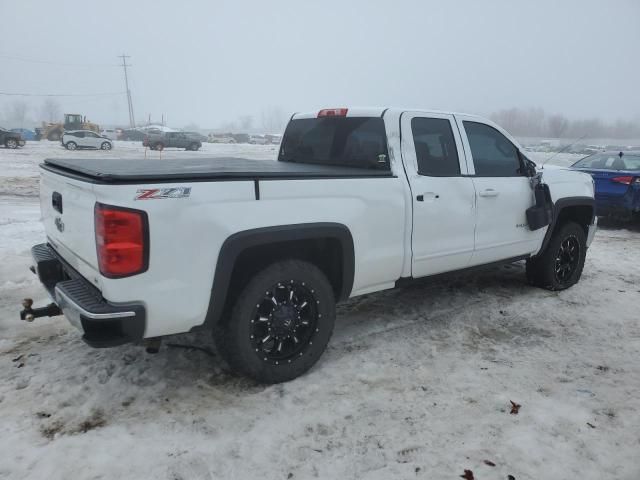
{"points": [[11, 94], [50, 62]]}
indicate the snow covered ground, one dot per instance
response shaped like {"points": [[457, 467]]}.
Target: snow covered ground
{"points": [[416, 383]]}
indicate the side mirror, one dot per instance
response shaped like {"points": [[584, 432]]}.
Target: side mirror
{"points": [[527, 167]]}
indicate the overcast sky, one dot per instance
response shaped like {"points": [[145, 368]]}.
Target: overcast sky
{"points": [[209, 62]]}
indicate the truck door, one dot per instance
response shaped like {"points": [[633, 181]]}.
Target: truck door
{"points": [[503, 194], [443, 197]]}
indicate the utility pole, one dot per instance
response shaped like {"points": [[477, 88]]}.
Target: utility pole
{"points": [[132, 120]]}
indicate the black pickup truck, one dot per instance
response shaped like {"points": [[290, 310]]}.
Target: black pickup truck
{"points": [[10, 139], [160, 141]]}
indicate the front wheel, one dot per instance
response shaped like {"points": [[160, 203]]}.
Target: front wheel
{"points": [[71, 145], [560, 265], [105, 146], [280, 323]]}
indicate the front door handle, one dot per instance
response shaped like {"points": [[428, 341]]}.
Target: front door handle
{"points": [[489, 192], [429, 196]]}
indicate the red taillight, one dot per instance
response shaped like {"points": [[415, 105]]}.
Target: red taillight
{"points": [[122, 240], [625, 180], [333, 112]]}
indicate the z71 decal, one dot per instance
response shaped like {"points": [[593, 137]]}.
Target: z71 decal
{"points": [[159, 193]]}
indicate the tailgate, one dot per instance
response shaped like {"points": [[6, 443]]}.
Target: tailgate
{"points": [[67, 213]]}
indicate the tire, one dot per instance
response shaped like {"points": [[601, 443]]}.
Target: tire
{"points": [[158, 146], [105, 146], [71, 145], [11, 143], [193, 147], [274, 344], [557, 268]]}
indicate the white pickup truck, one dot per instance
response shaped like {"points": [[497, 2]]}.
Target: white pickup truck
{"points": [[259, 252]]}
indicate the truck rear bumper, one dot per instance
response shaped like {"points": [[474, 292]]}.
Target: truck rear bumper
{"points": [[104, 324]]}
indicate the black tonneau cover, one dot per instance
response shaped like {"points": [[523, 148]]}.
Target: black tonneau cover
{"points": [[197, 169]]}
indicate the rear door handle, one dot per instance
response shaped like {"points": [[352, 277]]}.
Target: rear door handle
{"points": [[489, 192], [429, 196]]}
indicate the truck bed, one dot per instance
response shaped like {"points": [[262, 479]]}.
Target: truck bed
{"points": [[128, 171]]}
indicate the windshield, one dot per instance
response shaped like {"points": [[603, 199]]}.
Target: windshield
{"points": [[359, 142], [610, 161]]}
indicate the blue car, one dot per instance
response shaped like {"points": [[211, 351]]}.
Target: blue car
{"points": [[26, 134], [617, 180]]}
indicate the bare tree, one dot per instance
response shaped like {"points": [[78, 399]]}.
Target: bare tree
{"points": [[18, 113], [533, 122], [273, 120], [51, 110], [557, 125]]}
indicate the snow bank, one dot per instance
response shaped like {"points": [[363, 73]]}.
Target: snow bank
{"points": [[416, 383]]}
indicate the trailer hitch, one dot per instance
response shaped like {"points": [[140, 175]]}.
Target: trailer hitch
{"points": [[30, 314]]}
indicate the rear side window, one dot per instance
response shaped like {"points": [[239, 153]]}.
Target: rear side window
{"points": [[359, 142], [435, 147], [610, 161], [493, 154]]}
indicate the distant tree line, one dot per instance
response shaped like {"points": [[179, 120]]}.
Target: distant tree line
{"points": [[534, 122], [20, 114]]}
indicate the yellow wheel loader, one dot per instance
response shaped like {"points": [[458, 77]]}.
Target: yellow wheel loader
{"points": [[72, 121]]}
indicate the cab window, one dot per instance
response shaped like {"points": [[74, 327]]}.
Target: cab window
{"points": [[493, 154], [435, 147]]}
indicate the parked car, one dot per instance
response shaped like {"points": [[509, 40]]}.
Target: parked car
{"points": [[267, 248], [221, 138], [11, 139], [273, 139], [75, 139], [133, 134], [160, 141], [199, 136], [110, 133], [258, 140], [617, 182], [241, 137], [25, 133]]}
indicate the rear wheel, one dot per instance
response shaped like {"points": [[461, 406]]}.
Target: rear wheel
{"points": [[560, 265], [193, 147], [71, 145], [280, 323], [11, 143]]}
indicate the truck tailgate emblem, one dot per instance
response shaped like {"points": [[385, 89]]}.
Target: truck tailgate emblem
{"points": [[159, 193]]}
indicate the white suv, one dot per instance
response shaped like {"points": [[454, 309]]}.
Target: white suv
{"points": [[85, 139]]}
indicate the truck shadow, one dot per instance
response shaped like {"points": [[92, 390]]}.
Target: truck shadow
{"points": [[124, 383]]}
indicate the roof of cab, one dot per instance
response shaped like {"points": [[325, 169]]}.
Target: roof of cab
{"points": [[375, 112]]}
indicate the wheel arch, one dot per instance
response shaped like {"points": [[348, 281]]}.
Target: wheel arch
{"points": [[578, 209], [328, 245]]}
